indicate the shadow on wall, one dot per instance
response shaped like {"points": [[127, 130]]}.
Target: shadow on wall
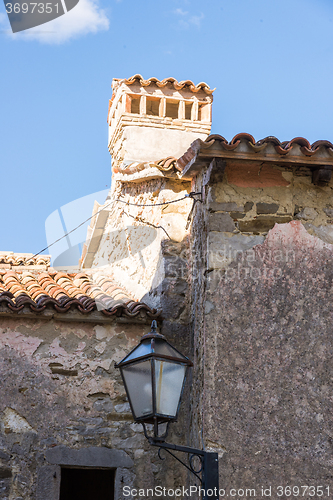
{"points": [[127, 241]]}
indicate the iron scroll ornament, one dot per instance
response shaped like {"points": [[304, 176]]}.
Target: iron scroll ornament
{"points": [[207, 473]]}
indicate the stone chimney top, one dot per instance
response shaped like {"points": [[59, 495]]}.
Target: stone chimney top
{"points": [[151, 119]]}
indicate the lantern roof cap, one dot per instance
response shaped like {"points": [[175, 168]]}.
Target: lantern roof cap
{"points": [[154, 344]]}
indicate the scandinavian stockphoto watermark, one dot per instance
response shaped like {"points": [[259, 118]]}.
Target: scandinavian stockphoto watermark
{"points": [[257, 263], [232, 264], [26, 14]]}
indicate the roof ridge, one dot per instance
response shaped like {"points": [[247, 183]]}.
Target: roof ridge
{"points": [[15, 260], [281, 147], [162, 83]]}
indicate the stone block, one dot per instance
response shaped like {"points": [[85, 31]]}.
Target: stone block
{"points": [[175, 267], [14, 422], [4, 456], [174, 224], [225, 207], [172, 329], [182, 207], [171, 287], [248, 206], [208, 307], [267, 208], [329, 211], [307, 214], [173, 307], [224, 248], [213, 279], [254, 175], [325, 233], [130, 443], [48, 482], [262, 224], [171, 247], [123, 408], [104, 405], [88, 457], [237, 215], [5, 472], [221, 222]]}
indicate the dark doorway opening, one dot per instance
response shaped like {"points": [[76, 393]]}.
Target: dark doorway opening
{"points": [[87, 484]]}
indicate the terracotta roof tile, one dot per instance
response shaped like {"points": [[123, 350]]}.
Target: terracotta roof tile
{"points": [[163, 83], [13, 260], [297, 148], [63, 292], [280, 147], [168, 164]]}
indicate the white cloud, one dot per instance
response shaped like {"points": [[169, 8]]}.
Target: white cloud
{"points": [[181, 12], [196, 20], [191, 20], [4, 21], [86, 17]]}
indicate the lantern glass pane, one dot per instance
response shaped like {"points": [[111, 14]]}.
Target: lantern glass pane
{"points": [[138, 381], [141, 350], [165, 349], [169, 379]]}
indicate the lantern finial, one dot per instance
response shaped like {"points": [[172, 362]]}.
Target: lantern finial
{"points": [[154, 326], [153, 334]]}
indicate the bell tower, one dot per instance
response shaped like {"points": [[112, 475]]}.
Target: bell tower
{"points": [[152, 119]]}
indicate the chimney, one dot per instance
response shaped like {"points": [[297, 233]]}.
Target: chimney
{"points": [[152, 119]]}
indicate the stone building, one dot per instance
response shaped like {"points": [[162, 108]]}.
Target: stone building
{"points": [[65, 422], [228, 245]]}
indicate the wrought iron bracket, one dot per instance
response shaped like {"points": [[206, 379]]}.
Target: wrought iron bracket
{"points": [[192, 194], [207, 473], [195, 200]]}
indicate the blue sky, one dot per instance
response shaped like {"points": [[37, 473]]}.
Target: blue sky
{"points": [[270, 61]]}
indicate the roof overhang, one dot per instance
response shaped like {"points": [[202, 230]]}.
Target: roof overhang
{"points": [[297, 152], [74, 316]]}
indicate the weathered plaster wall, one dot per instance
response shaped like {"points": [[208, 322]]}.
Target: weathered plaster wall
{"points": [[130, 248], [60, 389], [261, 315], [268, 373], [144, 142]]}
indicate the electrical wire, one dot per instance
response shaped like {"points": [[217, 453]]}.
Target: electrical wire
{"points": [[145, 222], [190, 195]]}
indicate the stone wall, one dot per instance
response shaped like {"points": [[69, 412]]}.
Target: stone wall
{"points": [[261, 315], [131, 245], [242, 209], [63, 404]]}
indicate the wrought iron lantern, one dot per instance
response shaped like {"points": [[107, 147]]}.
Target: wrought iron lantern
{"points": [[154, 374]]}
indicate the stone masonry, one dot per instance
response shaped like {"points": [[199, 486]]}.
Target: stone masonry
{"points": [[261, 250]]}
